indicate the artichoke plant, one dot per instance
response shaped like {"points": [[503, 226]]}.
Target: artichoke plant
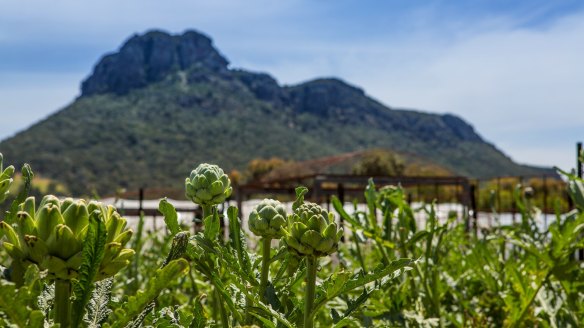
{"points": [[51, 236], [312, 232], [208, 185], [267, 219], [5, 179]]}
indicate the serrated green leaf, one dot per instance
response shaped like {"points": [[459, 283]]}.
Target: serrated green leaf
{"points": [[332, 290], [341, 210], [179, 247], [93, 251], [16, 305], [98, 307], [170, 216], [237, 239], [136, 304], [27, 176], [300, 192], [212, 226], [199, 315]]}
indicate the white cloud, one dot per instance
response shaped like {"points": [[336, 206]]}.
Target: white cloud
{"points": [[519, 87], [511, 84]]}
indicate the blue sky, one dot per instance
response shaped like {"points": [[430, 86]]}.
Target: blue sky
{"points": [[513, 69]]}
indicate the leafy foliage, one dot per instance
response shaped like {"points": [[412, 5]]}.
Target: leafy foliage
{"points": [[391, 270]]}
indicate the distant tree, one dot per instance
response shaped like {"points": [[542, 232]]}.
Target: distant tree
{"points": [[259, 167], [235, 177], [379, 162]]}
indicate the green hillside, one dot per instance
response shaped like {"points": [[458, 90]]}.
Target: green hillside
{"points": [[163, 103]]}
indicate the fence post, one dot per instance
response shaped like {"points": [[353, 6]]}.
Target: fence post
{"points": [[341, 196], [474, 209], [499, 207], [579, 172], [578, 159], [545, 197], [140, 200]]}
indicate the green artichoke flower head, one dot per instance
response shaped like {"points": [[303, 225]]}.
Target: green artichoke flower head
{"points": [[208, 185], [5, 179], [267, 219], [312, 231], [52, 235]]}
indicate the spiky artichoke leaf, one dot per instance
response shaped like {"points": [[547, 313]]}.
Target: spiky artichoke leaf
{"points": [[98, 307], [136, 304], [212, 226], [93, 252], [343, 282], [27, 176], [170, 216], [17, 305]]}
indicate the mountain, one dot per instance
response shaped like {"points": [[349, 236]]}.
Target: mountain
{"points": [[163, 103]]}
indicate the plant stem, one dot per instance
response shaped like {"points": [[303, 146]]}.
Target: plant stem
{"points": [[359, 256], [266, 243], [63, 302], [311, 264], [527, 305], [224, 320], [17, 274], [207, 210]]}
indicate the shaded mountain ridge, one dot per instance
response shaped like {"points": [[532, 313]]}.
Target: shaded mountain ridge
{"points": [[163, 103]]}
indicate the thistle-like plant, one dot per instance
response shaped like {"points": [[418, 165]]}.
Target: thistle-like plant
{"points": [[312, 233], [5, 179], [267, 221], [53, 235], [208, 186]]}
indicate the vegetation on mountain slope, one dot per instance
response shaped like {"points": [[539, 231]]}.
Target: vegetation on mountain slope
{"points": [[164, 102]]}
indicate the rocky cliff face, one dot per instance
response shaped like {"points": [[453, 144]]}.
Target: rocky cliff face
{"points": [[149, 58]]}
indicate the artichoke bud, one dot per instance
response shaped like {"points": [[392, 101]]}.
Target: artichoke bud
{"points": [[75, 260], [114, 224], [14, 251], [111, 265], [28, 206], [52, 236], [312, 231], [5, 180], [268, 219], [124, 237], [4, 187], [48, 218], [49, 199], [10, 233], [94, 206], [37, 249], [62, 242], [208, 185], [7, 173], [76, 215], [65, 203], [112, 250], [26, 224], [111, 269]]}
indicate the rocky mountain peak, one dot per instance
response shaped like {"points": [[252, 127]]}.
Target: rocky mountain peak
{"points": [[149, 58]]}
